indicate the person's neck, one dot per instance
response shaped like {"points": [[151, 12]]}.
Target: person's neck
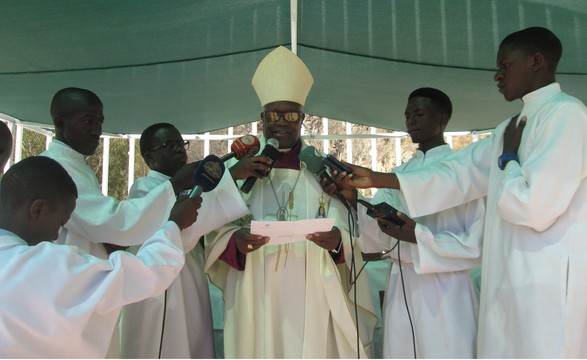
{"points": [[424, 146], [62, 139], [11, 223], [289, 159]]}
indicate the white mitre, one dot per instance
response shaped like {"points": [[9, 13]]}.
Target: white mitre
{"points": [[282, 76]]}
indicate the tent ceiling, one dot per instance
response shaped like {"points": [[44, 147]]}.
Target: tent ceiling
{"points": [[190, 62]]}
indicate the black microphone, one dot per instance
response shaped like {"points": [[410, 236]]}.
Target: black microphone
{"points": [[241, 147], [270, 151], [315, 163], [207, 175], [336, 164], [383, 210]]}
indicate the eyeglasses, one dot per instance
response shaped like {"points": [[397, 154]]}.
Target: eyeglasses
{"points": [[289, 116], [172, 145]]}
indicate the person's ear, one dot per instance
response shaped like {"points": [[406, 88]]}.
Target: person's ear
{"points": [[37, 208], [148, 157], [59, 122], [443, 120], [537, 61]]}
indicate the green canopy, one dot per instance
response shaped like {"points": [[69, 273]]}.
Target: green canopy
{"points": [[191, 62]]}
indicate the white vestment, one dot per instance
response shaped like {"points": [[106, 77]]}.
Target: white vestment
{"points": [[187, 331], [533, 293], [291, 301], [99, 219], [59, 302], [439, 293]]}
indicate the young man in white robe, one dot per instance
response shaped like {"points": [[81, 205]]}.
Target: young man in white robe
{"points": [[533, 171], [292, 300], [430, 307], [178, 323], [101, 224], [55, 300]]}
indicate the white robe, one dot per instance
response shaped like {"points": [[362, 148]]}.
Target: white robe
{"points": [[533, 293], [188, 331], [439, 292], [59, 302], [99, 219], [295, 303]]}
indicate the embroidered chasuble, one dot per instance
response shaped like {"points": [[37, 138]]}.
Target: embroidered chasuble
{"points": [[290, 301]]}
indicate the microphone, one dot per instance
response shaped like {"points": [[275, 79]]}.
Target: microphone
{"points": [[271, 151], [207, 175], [315, 163], [383, 210], [241, 147], [336, 164]]}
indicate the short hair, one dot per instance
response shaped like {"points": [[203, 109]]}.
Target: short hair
{"points": [[438, 98], [148, 135], [537, 39], [33, 178], [64, 97]]}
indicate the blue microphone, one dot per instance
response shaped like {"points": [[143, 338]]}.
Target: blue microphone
{"points": [[207, 176]]}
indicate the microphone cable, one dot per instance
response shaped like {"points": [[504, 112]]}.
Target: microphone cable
{"points": [[401, 273], [353, 274], [163, 322]]}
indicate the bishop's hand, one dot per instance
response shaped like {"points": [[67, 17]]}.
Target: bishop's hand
{"points": [[247, 242], [328, 240]]}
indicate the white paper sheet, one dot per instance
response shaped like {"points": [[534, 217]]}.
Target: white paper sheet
{"points": [[285, 232]]}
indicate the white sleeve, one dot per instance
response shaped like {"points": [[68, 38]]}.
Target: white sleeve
{"points": [[459, 178], [102, 219], [125, 278], [457, 246], [219, 206]]}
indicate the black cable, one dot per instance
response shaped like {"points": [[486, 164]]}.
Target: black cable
{"points": [[401, 273], [354, 275], [365, 263], [163, 322]]}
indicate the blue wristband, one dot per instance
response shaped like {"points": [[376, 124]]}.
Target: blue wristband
{"points": [[503, 160]]}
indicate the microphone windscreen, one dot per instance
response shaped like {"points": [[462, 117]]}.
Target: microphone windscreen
{"points": [[241, 146], [271, 151], [209, 173], [313, 159]]}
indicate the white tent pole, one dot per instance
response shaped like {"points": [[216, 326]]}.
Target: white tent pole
{"points": [[294, 25], [349, 143], [10, 125], [448, 139], [230, 133], [207, 144], [48, 140], [18, 144], [398, 151], [325, 142], [131, 163], [373, 149], [105, 165]]}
